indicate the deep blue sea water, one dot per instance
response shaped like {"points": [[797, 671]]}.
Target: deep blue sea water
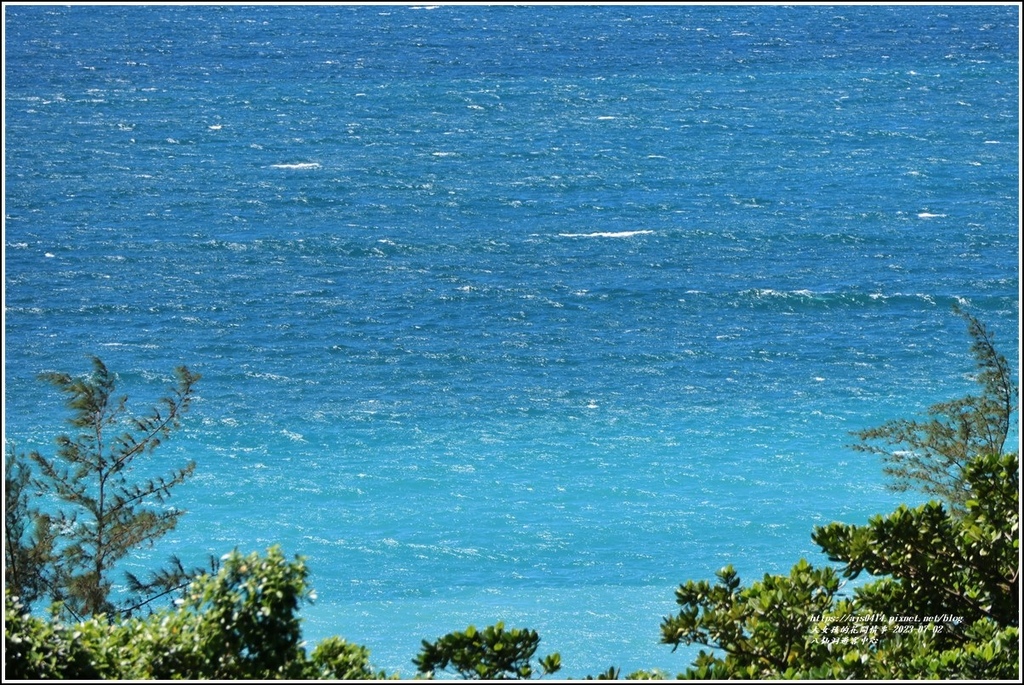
{"points": [[511, 313]]}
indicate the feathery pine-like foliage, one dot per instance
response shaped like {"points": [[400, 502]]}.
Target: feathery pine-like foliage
{"points": [[28, 536], [239, 624], [930, 455], [93, 515]]}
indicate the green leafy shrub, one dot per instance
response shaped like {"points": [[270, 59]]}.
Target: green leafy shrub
{"points": [[490, 654], [943, 604], [240, 624]]}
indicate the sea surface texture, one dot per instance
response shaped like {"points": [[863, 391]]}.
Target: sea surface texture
{"points": [[522, 314]]}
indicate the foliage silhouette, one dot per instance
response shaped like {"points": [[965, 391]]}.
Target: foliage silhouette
{"points": [[930, 455], [95, 515]]}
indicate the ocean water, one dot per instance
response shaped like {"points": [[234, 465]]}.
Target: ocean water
{"points": [[506, 313]]}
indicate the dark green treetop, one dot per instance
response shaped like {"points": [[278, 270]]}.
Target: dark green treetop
{"points": [[490, 654]]}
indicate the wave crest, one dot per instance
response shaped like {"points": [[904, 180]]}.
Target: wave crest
{"points": [[605, 234], [297, 165]]}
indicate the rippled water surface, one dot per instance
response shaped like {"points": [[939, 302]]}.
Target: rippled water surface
{"points": [[511, 313]]}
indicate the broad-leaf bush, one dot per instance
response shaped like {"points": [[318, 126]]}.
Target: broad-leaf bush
{"points": [[493, 653], [943, 602], [240, 624]]}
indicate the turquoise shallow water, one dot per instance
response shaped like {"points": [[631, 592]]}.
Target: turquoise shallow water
{"points": [[523, 314]]}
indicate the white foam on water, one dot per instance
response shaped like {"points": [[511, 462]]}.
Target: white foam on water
{"points": [[605, 234]]}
